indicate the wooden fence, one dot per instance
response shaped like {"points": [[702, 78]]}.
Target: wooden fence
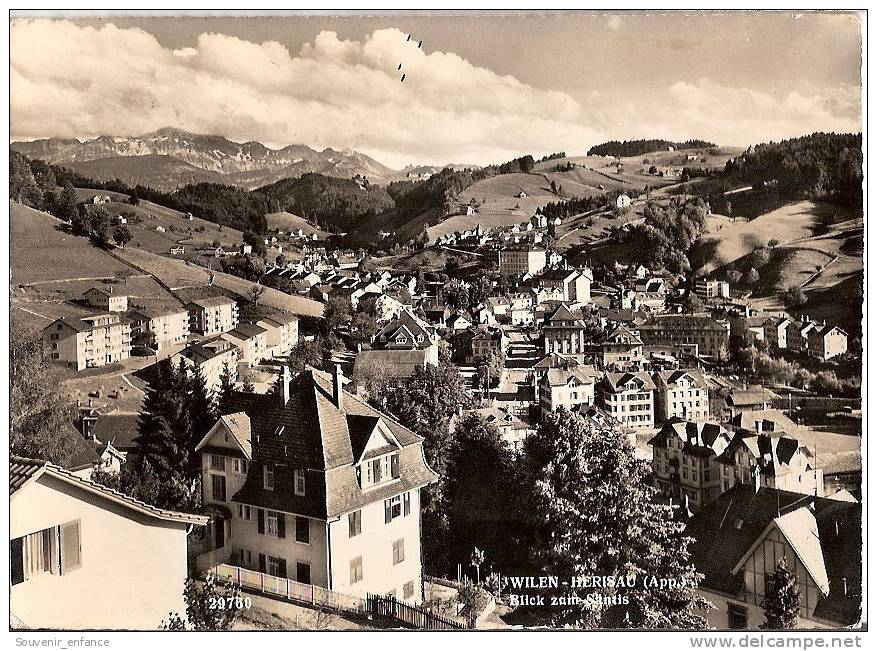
{"points": [[411, 615], [306, 593]]}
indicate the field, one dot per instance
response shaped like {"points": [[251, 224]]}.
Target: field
{"points": [[194, 233], [43, 249], [286, 221], [178, 275], [791, 222]]}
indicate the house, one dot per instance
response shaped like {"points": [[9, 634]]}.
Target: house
{"points": [[623, 201], [100, 199], [487, 340], [567, 388], [160, 229], [684, 330], [826, 342], [521, 195], [388, 307], [408, 331], [331, 495], [783, 333], [395, 366], [178, 250], [622, 347], [685, 461], [512, 429], [773, 460], [246, 249], [748, 399], [88, 342], [520, 260], [82, 556], [681, 394], [219, 252], [157, 327], [564, 332], [628, 397], [282, 334], [212, 316], [105, 299], [212, 356], [741, 536], [251, 340], [457, 323], [568, 285]]}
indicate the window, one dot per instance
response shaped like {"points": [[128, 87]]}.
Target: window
{"points": [[406, 503], [356, 570], [408, 590], [737, 616], [354, 523], [277, 566], [218, 484], [302, 530], [56, 550], [240, 466], [268, 477], [299, 482], [398, 551], [54, 337], [303, 572], [392, 508], [243, 512], [217, 462], [271, 523]]}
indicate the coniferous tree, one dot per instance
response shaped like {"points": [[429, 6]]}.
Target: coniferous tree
{"points": [[597, 518], [226, 388], [200, 414], [782, 603], [67, 203]]}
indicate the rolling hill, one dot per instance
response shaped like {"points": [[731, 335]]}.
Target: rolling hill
{"points": [[157, 171]]}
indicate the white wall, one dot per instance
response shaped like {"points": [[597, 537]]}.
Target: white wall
{"points": [[133, 567]]}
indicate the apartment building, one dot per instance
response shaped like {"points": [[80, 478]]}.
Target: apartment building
{"points": [[567, 285], [681, 394], [88, 342], [521, 260], [251, 340], [826, 342], [684, 330], [281, 335], [708, 289], [212, 316], [331, 495], [212, 356], [104, 298], [623, 347], [628, 397], [158, 328]]}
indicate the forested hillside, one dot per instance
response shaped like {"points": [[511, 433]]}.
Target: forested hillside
{"points": [[640, 147]]}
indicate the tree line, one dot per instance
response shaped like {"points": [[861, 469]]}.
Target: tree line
{"points": [[640, 147]]}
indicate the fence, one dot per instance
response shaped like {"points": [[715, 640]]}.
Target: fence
{"points": [[289, 589], [329, 599], [411, 615]]}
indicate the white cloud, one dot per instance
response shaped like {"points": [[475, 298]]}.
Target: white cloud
{"points": [[72, 81]]}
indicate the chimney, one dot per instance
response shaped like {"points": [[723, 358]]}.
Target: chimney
{"points": [[337, 379], [285, 379]]}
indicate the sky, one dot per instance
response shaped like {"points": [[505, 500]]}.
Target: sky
{"points": [[481, 89]]}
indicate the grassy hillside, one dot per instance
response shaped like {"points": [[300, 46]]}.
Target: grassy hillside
{"points": [[43, 249], [182, 278], [286, 221], [791, 222]]}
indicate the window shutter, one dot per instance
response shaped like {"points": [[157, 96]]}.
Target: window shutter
{"points": [[262, 564], [260, 514], [406, 502], [388, 512], [71, 553], [394, 466], [282, 567], [16, 560], [281, 525]]}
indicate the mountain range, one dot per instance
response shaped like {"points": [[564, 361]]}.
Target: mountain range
{"points": [[169, 158]]}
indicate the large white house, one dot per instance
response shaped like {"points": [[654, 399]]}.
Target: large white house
{"points": [[83, 556], [314, 485]]}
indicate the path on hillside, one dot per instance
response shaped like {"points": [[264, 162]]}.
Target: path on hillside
{"points": [[24, 309], [75, 280], [452, 250]]}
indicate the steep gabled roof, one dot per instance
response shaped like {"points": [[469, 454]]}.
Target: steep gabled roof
{"points": [[23, 471]]}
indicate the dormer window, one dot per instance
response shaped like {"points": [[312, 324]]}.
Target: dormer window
{"points": [[378, 470]]}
